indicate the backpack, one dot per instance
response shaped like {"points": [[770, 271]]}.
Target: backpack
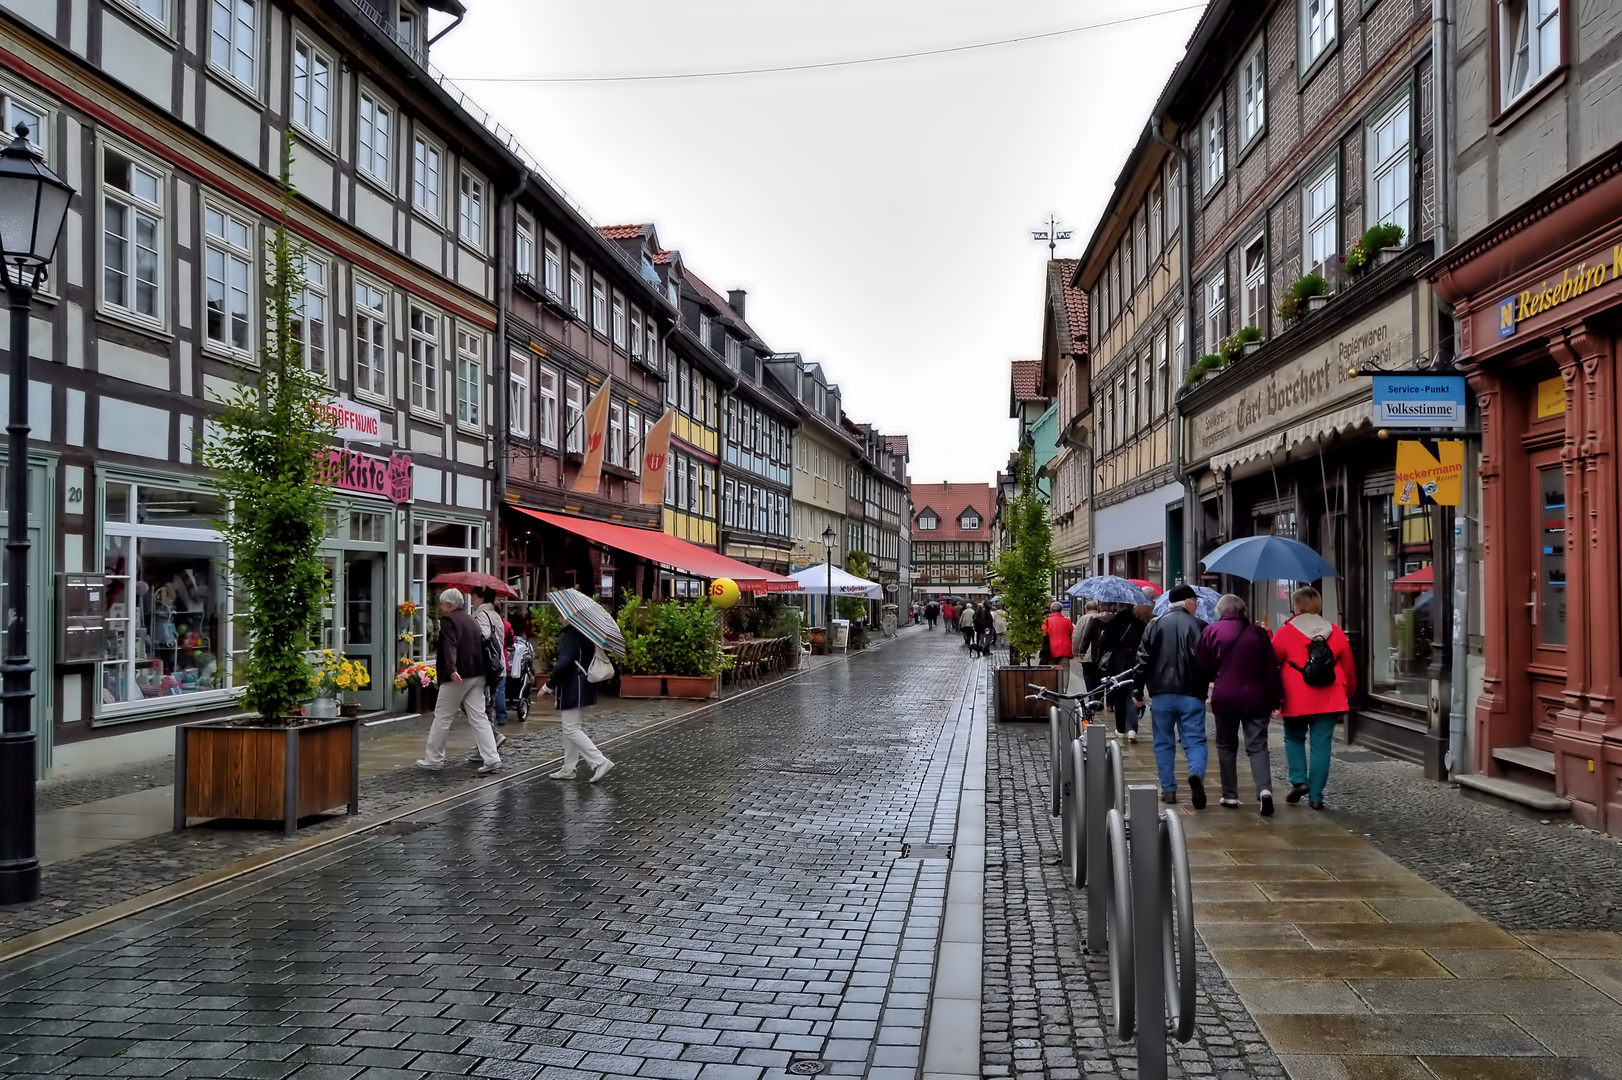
{"points": [[601, 668], [495, 664], [1319, 670]]}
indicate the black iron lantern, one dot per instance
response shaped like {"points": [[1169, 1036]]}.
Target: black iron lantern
{"points": [[33, 209]]}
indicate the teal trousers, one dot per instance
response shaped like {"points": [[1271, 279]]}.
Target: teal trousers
{"points": [[1314, 772]]}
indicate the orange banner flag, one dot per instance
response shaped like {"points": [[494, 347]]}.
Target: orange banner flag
{"points": [[591, 471], [655, 456]]}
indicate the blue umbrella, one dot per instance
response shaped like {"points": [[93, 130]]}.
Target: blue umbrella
{"points": [[1108, 589], [1206, 612], [1268, 558]]}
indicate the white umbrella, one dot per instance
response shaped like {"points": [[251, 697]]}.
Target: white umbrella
{"points": [[816, 580]]}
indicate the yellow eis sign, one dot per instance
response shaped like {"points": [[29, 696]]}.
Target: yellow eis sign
{"points": [[1429, 473]]}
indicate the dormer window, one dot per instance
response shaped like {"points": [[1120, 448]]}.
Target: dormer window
{"points": [[734, 353], [928, 522], [406, 30], [970, 521]]}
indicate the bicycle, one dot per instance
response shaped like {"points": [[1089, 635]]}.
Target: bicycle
{"points": [[1068, 719]]}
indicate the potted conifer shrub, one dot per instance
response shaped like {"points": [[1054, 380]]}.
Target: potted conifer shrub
{"points": [[269, 450], [1024, 570]]}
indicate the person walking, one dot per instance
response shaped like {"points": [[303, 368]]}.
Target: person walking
{"points": [[1319, 680], [999, 625], [460, 664], [1118, 655], [932, 612], [1084, 644], [575, 692], [1176, 686], [965, 623], [493, 627], [949, 614], [982, 630], [1237, 655], [1056, 628]]}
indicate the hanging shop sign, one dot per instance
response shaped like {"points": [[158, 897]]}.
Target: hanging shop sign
{"points": [[368, 474], [1429, 402], [1429, 473]]}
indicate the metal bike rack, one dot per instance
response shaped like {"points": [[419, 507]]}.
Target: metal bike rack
{"points": [[1148, 890], [1056, 743]]}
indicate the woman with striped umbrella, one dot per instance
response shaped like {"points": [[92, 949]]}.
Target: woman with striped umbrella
{"points": [[587, 628]]}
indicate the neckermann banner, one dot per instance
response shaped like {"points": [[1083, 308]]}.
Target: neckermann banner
{"points": [[368, 474]]}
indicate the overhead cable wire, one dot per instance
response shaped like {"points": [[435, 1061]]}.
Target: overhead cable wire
{"points": [[826, 65]]}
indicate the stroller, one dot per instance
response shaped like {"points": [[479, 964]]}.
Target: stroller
{"points": [[520, 677]]}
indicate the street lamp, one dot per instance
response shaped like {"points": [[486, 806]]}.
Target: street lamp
{"points": [[33, 209], [828, 538]]}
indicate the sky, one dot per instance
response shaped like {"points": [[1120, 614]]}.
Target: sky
{"points": [[879, 214]]}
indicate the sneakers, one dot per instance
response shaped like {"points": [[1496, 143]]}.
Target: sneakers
{"points": [[1168, 796], [1267, 804], [1196, 784], [1297, 793], [1132, 736], [494, 766], [1231, 804], [601, 771], [424, 763]]}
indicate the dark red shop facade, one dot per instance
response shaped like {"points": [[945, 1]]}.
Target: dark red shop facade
{"points": [[1538, 299]]}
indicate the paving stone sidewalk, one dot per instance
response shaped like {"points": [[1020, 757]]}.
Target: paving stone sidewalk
{"points": [[732, 896]]}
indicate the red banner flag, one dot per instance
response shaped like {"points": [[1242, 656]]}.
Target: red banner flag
{"points": [[655, 456], [591, 471]]}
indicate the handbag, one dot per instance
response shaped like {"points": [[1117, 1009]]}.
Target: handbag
{"points": [[601, 668]]}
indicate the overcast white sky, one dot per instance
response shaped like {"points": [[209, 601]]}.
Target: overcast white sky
{"points": [[879, 215]]}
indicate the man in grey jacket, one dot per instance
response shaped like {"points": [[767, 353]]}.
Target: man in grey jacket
{"points": [[1177, 687]]}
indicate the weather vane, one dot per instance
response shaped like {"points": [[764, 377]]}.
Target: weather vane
{"points": [[1054, 232]]}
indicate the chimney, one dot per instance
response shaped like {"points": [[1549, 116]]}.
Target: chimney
{"points": [[735, 300]]}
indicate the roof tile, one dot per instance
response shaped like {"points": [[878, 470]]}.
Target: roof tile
{"points": [[949, 501], [1027, 377]]}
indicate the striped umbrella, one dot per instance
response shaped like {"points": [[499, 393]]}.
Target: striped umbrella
{"points": [[587, 616]]}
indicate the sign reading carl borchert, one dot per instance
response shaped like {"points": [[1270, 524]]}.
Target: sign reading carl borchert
{"points": [[1431, 401]]}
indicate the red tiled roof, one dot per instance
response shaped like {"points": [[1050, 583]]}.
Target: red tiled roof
{"points": [[664, 255], [897, 445], [1075, 303], [948, 502], [1027, 378], [620, 232]]}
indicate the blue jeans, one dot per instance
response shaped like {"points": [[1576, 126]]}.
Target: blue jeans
{"points": [[498, 702], [1178, 716], [1314, 774]]}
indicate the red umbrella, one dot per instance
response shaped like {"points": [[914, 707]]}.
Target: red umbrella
{"points": [[1154, 590], [472, 579]]}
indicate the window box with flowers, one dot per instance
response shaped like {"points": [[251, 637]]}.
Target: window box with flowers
{"points": [[1309, 293], [1378, 245]]}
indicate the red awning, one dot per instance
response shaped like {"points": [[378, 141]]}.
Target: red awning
{"points": [[1421, 580], [668, 550]]}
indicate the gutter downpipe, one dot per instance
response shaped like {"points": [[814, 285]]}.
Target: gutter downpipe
{"points": [[1185, 243], [1457, 760], [503, 421]]}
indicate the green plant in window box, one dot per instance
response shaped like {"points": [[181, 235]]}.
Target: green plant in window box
{"points": [[1234, 346], [1293, 304]]}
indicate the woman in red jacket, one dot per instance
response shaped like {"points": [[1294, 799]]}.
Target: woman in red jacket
{"points": [[1316, 692]]}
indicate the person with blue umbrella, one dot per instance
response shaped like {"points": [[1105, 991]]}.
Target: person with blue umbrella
{"points": [[1176, 684]]}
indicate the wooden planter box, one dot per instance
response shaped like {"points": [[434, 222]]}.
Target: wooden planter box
{"points": [[642, 686], [691, 686], [266, 773], [1012, 686]]}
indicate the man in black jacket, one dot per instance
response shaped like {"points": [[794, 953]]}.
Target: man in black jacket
{"points": [[1177, 693], [461, 684]]}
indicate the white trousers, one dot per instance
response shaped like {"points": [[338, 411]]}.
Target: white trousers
{"points": [[576, 744], [467, 695]]}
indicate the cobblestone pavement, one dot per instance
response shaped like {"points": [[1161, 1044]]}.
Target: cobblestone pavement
{"points": [[89, 883], [1516, 871], [1046, 1008], [733, 895]]}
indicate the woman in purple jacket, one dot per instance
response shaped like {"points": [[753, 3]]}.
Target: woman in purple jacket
{"points": [[1237, 656]]}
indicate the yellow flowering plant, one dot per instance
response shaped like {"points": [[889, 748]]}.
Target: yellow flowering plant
{"points": [[334, 675]]}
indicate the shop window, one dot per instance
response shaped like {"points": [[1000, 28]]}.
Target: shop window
{"points": [[168, 625], [438, 547], [1271, 600], [1402, 624]]}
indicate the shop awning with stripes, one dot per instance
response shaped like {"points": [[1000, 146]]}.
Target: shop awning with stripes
{"points": [[667, 550]]}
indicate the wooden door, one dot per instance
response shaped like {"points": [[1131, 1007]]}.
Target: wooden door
{"points": [[1546, 605]]}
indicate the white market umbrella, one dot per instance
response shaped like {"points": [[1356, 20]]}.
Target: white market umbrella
{"points": [[815, 581]]}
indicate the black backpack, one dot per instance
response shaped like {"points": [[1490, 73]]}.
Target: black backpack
{"points": [[1319, 670]]}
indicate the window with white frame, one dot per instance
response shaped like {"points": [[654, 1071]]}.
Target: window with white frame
{"points": [[312, 91], [734, 353], [574, 412], [636, 332], [227, 273], [552, 263], [616, 433], [1178, 351], [546, 405], [1319, 210], [1216, 310], [427, 176], [970, 521], [156, 10], [599, 306], [471, 214], [524, 249], [372, 138], [424, 360], [577, 288], [371, 340], [469, 378], [233, 40], [704, 333], [132, 236], [633, 436], [1253, 271], [1318, 30], [1390, 171], [1162, 375], [1140, 244], [619, 320], [518, 415], [1146, 391], [1133, 414], [651, 344], [1157, 220], [1529, 44], [310, 315], [1252, 96], [1216, 161]]}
